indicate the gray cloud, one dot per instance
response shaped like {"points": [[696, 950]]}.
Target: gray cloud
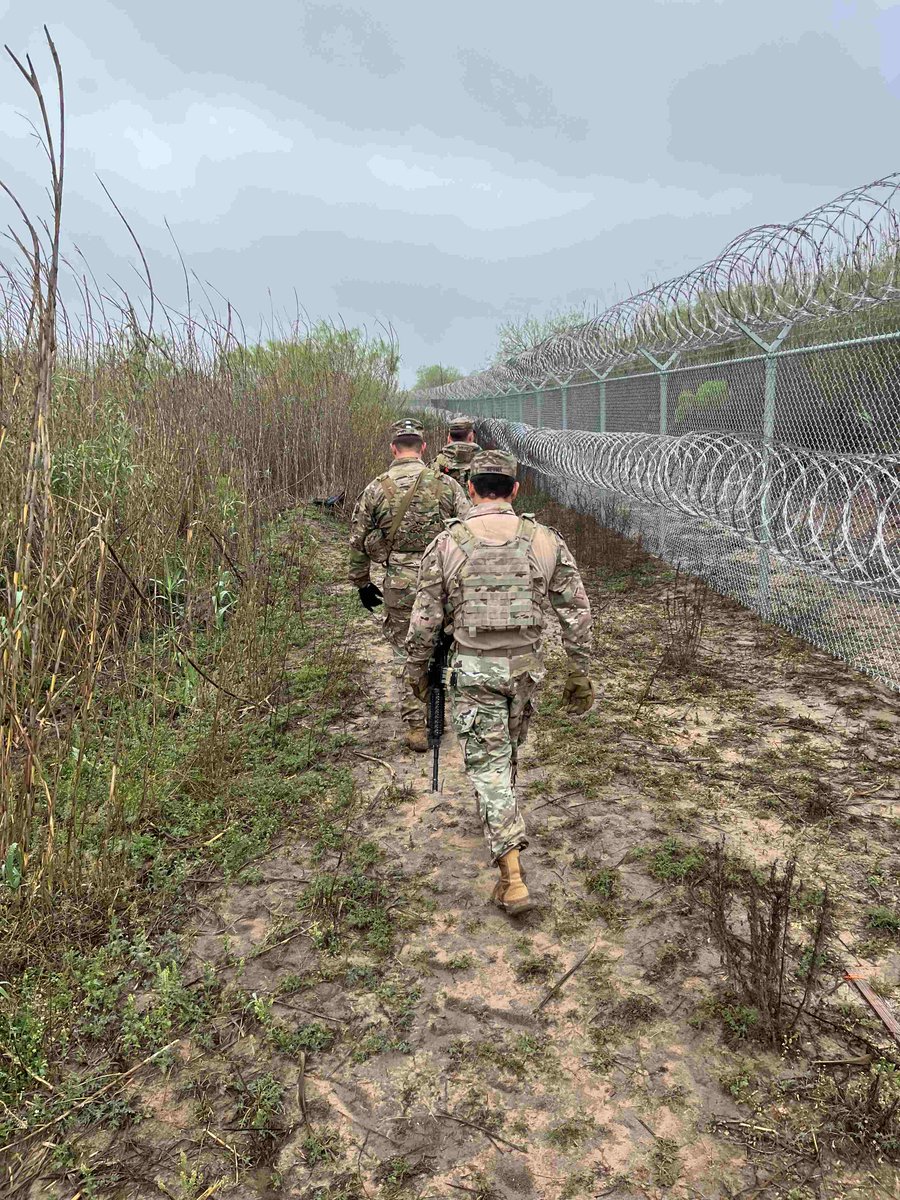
{"points": [[519, 100], [446, 168], [427, 308], [343, 37], [804, 111]]}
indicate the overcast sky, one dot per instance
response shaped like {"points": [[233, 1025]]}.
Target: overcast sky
{"points": [[443, 167]]}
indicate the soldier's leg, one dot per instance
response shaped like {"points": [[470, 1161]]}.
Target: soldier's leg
{"points": [[396, 626], [521, 710], [481, 720]]}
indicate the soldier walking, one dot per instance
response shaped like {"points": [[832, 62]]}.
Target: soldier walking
{"points": [[456, 457], [395, 518], [491, 578]]}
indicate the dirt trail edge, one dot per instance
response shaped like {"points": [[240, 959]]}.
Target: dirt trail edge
{"points": [[387, 1033]]}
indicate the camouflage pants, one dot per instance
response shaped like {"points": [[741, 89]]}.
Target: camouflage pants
{"points": [[399, 594], [493, 699]]}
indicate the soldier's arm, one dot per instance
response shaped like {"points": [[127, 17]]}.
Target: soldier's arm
{"points": [[427, 618], [572, 608], [361, 523]]}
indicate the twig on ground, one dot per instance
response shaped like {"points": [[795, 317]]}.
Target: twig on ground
{"points": [[371, 758], [568, 975], [494, 1137]]}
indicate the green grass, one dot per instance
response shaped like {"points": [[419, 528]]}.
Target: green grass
{"points": [[227, 783], [674, 862], [883, 920]]}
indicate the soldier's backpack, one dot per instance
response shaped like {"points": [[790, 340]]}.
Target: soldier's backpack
{"points": [[416, 517], [455, 460], [498, 586]]}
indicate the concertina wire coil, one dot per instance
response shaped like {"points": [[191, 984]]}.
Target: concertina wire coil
{"points": [[839, 258], [838, 516]]}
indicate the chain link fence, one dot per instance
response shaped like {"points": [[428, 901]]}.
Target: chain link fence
{"points": [[766, 462]]}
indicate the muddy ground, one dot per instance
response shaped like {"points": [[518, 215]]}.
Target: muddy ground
{"points": [[389, 1034]]}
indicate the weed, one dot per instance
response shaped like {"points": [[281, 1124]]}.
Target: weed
{"points": [[533, 968], [460, 962], [665, 1163], [260, 1102], [522, 1055], [307, 1039], [674, 862], [883, 920], [569, 1134], [579, 1183], [321, 1146], [739, 1082], [757, 961], [605, 883]]}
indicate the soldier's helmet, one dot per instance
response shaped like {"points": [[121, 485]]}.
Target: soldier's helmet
{"points": [[461, 425], [493, 462], [406, 425]]}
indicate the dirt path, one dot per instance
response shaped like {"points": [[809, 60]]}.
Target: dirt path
{"points": [[386, 1032]]}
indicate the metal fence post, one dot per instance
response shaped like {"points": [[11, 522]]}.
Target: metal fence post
{"points": [[663, 371], [538, 407], [770, 393], [601, 412], [564, 406]]}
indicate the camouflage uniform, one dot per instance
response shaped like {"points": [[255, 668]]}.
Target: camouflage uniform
{"points": [[495, 671], [436, 500], [455, 459]]}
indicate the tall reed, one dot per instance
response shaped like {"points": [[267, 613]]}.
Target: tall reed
{"points": [[141, 460]]}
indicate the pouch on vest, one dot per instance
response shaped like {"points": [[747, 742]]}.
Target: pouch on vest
{"points": [[498, 586]]}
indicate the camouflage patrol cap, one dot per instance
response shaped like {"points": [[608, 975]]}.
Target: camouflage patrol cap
{"points": [[407, 425], [493, 462], [461, 425]]}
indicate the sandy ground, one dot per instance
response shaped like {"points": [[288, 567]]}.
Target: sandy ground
{"points": [[463, 1061]]}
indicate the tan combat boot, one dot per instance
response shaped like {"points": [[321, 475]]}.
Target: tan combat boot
{"points": [[510, 892], [417, 737]]}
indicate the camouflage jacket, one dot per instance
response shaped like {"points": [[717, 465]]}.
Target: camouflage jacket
{"points": [[557, 582], [437, 499], [455, 460]]}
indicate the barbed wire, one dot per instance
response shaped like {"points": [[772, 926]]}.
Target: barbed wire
{"points": [[838, 516], [839, 258]]}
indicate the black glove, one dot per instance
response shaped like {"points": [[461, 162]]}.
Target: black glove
{"points": [[370, 596]]}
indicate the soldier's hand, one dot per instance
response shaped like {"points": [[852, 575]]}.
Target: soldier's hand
{"points": [[578, 694], [370, 596]]}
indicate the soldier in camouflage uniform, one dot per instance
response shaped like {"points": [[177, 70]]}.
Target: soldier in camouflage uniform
{"points": [[491, 578], [456, 457], [395, 518]]}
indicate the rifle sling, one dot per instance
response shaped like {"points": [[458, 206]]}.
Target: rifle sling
{"points": [[402, 510]]}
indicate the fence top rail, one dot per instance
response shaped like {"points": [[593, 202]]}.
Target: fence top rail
{"points": [[677, 369], [838, 259]]}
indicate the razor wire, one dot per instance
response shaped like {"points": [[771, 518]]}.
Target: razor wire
{"points": [[842, 257], [838, 517]]}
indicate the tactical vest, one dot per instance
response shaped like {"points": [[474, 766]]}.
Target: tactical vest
{"points": [[498, 586], [423, 520]]}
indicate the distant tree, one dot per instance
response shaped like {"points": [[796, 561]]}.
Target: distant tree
{"points": [[436, 376], [515, 336]]}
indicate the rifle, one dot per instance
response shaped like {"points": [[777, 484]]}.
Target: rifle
{"points": [[436, 667]]}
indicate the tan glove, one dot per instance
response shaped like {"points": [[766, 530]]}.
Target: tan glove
{"points": [[578, 694]]}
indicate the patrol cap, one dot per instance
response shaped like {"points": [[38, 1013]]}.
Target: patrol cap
{"points": [[461, 425], [407, 425], [493, 462]]}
